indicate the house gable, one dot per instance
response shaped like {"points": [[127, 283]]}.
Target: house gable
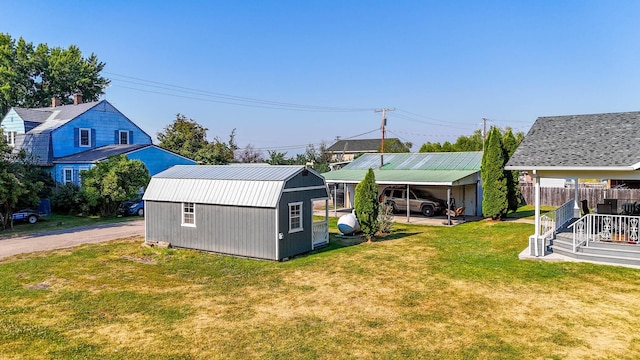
{"points": [[99, 126]]}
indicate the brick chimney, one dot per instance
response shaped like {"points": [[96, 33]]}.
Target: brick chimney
{"points": [[77, 99], [55, 102]]}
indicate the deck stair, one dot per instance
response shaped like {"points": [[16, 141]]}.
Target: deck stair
{"points": [[601, 252]]}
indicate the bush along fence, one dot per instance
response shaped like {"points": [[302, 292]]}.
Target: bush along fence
{"points": [[558, 196]]}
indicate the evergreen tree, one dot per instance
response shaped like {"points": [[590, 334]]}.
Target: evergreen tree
{"points": [[510, 144], [494, 182], [367, 205]]}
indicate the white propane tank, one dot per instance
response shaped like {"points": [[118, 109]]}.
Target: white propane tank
{"points": [[348, 224]]}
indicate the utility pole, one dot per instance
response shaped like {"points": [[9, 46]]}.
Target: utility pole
{"points": [[384, 123]]}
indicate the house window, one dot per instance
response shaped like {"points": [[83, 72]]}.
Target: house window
{"points": [[295, 217], [67, 176], [124, 137], [188, 214], [85, 138], [11, 137]]}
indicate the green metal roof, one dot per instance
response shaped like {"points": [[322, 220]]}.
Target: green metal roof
{"points": [[412, 168]]}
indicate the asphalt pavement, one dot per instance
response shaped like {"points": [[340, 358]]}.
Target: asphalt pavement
{"points": [[61, 239]]}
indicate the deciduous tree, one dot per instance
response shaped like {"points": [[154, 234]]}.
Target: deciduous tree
{"points": [[31, 75], [113, 181], [22, 183]]}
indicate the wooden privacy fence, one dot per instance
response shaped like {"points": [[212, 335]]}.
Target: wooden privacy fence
{"points": [[558, 196]]}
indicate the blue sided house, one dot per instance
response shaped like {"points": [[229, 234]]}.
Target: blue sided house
{"points": [[67, 139]]}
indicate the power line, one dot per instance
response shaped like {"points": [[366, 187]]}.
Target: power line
{"points": [[228, 99]]}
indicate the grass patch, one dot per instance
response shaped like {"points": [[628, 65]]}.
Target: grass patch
{"points": [[60, 222], [422, 292], [528, 212]]}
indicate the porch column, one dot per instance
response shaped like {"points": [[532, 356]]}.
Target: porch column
{"points": [[536, 233], [576, 201]]}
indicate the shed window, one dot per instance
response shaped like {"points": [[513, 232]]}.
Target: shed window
{"points": [[124, 137], [85, 138], [67, 175], [295, 217], [188, 214]]}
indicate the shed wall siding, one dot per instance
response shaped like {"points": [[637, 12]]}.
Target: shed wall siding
{"points": [[105, 120], [232, 230], [301, 180], [298, 242]]}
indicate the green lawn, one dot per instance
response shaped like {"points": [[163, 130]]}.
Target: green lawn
{"points": [[59, 222], [423, 292]]}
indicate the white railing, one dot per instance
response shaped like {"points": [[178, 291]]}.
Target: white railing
{"points": [[553, 220], [564, 213], [548, 225], [604, 227], [320, 233]]}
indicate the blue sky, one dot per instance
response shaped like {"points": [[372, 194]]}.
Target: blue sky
{"points": [[444, 65]]}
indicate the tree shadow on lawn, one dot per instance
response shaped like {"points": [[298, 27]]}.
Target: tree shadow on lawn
{"points": [[338, 241]]}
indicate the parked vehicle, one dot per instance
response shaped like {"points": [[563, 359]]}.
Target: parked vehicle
{"points": [[420, 201], [29, 215], [132, 207]]}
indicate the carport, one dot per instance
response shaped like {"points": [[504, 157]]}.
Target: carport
{"points": [[448, 176]]}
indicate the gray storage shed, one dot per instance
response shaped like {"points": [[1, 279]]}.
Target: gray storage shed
{"points": [[258, 211]]}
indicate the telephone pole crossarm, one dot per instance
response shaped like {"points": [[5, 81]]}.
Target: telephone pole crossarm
{"points": [[384, 123]]}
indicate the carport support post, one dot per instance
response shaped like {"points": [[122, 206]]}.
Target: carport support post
{"points": [[408, 205], [335, 200], [448, 205]]}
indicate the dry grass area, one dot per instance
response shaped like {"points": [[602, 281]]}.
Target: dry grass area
{"points": [[422, 293]]}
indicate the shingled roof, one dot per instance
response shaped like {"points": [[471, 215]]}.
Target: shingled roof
{"points": [[38, 139], [581, 142]]}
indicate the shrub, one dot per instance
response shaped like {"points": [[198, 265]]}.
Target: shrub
{"points": [[65, 199], [385, 219]]}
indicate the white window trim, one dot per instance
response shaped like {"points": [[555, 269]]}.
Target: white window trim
{"points": [[120, 137], [64, 175], [298, 229], [80, 137], [183, 213], [10, 136]]}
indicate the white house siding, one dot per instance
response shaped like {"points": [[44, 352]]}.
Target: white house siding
{"points": [[243, 231]]}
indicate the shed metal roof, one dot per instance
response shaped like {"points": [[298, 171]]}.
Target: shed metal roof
{"points": [[236, 185], [262, 172], [412, 168], [222, 192]]}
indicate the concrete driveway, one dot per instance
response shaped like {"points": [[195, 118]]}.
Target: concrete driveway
{"points": [[67, 238]]}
